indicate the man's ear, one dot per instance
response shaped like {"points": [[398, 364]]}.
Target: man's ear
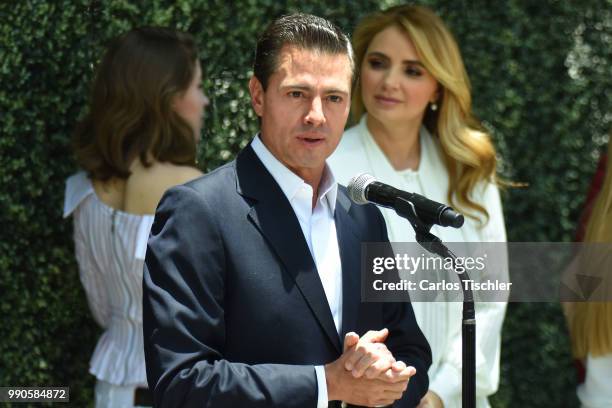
{"points": [[257, 95]]}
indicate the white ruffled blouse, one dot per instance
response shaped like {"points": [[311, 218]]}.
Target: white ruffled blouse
{"points": [[440, 322], [110, 247]]}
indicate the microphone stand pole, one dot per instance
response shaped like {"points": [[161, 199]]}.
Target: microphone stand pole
{"points": [[433, 244]]}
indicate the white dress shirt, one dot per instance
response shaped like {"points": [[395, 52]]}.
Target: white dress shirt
{"points": [[319, 229], [440, 322]]}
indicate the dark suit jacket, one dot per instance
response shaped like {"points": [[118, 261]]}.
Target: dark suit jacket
{"points": [[234, 311]]}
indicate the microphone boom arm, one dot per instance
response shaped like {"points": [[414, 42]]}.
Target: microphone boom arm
{"points": [[405, 209]]}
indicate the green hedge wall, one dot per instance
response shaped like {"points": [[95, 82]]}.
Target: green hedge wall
{"points": [[540, 72]]}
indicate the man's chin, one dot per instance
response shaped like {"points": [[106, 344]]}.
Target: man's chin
{"points": [[305, 167]]}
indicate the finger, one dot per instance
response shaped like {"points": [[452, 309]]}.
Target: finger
{"points": [[350, 340], [378, 368], [410, 371], [392, 376], [376, 336], [361, 365], [353, 356], [382, 351], [404, 375], [375, 352], [356, 354], [398, 366], [372, 372], [386, 375]]}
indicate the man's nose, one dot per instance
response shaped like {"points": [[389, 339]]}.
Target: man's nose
{"points": [[315, 114]]}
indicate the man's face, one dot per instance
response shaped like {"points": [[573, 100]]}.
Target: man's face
{"points": [[304, 109]]}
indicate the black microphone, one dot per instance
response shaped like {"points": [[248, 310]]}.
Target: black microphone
{"points": [[364, 188]]}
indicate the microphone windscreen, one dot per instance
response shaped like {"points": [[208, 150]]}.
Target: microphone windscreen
{"points": [[357, 187]]}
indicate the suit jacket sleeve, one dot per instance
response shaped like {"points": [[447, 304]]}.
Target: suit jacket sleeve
{"points": [[183, 316], [406, 341]]}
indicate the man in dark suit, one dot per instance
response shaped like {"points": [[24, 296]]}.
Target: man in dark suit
{"points": [[252, 274]]}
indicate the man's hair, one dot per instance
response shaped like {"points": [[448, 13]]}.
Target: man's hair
{"points": [[300, 30], [130, 114]]}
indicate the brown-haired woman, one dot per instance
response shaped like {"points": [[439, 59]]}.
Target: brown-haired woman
{"points": [[137, 140], [415, 130]]}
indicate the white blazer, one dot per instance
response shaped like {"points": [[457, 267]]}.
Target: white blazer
{"points": [[440, 321]]}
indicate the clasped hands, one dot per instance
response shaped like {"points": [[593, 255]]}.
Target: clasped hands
{"points": [[367, 373]]}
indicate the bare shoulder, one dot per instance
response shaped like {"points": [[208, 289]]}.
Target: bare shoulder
{"points": [[147, 185], [184, 174], [163, 175]]}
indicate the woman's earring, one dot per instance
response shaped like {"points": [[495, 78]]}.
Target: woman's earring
{"points": [[434, 106]]}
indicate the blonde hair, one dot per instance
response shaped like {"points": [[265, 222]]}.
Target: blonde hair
{"points": [[468, 153], [590, 323]]}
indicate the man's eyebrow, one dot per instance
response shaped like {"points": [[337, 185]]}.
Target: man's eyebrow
{"points": [[384, 56], [336, 91], [308, 88], [296, 86]]}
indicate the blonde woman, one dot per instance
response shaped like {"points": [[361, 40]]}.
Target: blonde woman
{"points": [[415, 130], [590, 323]]}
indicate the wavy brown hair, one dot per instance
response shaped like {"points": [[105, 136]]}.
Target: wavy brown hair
{"points": [[131, 114], [467, 150]]}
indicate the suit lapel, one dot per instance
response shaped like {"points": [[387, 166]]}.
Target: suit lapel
{"points": [[273, 216], [348, 241]]}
